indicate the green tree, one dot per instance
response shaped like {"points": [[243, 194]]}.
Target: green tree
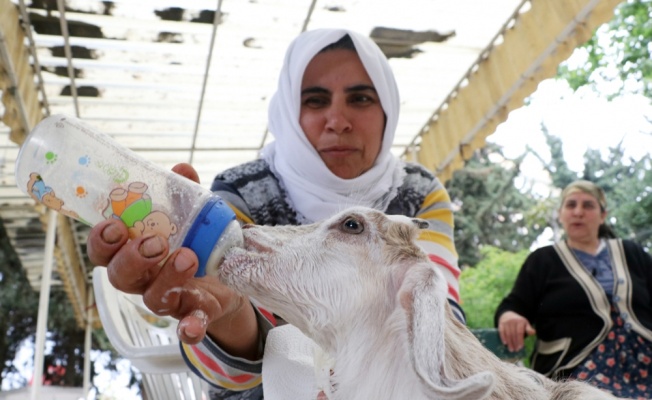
{"points": [[618, 54], [484, 286], [18, 306], [489, 208], [617, 61], [64, 360]]}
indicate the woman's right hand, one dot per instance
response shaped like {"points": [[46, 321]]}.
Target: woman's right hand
{"points": [[513, 328], [167, 283]]}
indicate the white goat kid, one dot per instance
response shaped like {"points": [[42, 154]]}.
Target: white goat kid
{"points": [[359, 286]]}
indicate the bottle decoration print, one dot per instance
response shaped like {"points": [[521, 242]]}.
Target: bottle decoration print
{"points": [[44, 194], [130, 204], [78, 171], [133, 206]]}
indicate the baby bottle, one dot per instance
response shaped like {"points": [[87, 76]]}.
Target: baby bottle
{"points": [[72, 168]]}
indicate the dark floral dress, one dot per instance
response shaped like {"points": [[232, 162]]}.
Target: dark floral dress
{"points": [[621, 364]]}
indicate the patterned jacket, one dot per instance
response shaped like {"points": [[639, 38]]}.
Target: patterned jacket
{"points": [[569, 309]]}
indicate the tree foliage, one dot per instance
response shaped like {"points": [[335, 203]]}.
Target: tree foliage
{"points": [[489, 208], [18, 305], [484, 286], [64, 359], [619, 54]]}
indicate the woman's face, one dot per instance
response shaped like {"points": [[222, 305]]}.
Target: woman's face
{"points": [[341, 113], [581, 216]]}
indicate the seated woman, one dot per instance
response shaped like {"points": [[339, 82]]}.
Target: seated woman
{"points": [[589, 298]]}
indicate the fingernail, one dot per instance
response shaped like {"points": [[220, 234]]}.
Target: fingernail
{"points": [[190, 334], [182, 329], [111, 234], [151, 247], [182, 262]]}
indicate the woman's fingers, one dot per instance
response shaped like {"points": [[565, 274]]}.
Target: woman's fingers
{"points": [[132, 265], [105, 240], [512, 328], [529, 330], [135, 266], [192, 328], [195, 302], [168, 285], [174, 291], [186, 170], [508, 336], [516, 337]]}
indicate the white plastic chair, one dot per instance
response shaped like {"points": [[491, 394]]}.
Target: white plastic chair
{"points": [[147, 340]]}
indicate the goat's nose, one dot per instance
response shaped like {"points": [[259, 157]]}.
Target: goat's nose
{"points": [[420, 223]]}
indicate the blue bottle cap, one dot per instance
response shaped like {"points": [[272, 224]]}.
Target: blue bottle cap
{"points": [[206, 230]]}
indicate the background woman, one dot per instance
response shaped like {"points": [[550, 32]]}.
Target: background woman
{"points": [[589, 298]]}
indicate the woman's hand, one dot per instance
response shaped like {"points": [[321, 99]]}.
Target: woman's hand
{"points": [[513, 329], [168, 286]]}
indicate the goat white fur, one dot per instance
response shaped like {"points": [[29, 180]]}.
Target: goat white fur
{"points": [[359, 287]]}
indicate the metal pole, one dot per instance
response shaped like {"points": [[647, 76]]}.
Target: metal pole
{"points": [[66, 48], [43, 303], [87, 344], [216, 20]]}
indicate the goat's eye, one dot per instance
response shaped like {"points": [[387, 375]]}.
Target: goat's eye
{"points": [[352, 225]]}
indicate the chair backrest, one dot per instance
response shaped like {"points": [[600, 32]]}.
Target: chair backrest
{"points": [[147, 340]]}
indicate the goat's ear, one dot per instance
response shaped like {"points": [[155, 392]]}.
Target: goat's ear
{"points": [[423, 296]]}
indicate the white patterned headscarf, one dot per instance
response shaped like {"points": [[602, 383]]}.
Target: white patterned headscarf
{"points": [[313, 190]]}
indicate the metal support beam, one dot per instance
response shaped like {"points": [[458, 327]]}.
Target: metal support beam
{"points": [[90, 316], [43, 303]]}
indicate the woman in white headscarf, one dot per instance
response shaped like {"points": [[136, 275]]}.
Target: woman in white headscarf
{"points": [[333, 119], [314, 191]]}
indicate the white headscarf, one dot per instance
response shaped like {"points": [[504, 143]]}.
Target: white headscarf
{"points": [[313, 190]]}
